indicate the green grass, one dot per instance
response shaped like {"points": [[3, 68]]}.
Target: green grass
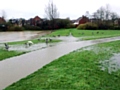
{"points": [[78, 70], [87, 33], [62, 32], [4, 54]]}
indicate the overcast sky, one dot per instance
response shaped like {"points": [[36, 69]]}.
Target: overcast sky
{"points": [[67, 8]]}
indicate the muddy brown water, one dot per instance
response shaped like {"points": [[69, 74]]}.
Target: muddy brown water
{"points": [[13, 69], [21, 35]]}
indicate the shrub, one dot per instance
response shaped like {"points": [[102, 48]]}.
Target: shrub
{"points": [[117, 27], [3, 27], [71, 26], [88, 26], [81, 26], [28, 27], [16, 28]]}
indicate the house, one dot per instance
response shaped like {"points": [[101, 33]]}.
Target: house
{"points": [[34, 21], [81, 20], [13, 21], [2, 20]]}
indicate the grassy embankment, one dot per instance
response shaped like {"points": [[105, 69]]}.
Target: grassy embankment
{"points": [[78, 70], [87, 34]]}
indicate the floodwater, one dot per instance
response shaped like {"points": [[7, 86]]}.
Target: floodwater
{"points": [[13, 69], [20, 35], [111, 65]]}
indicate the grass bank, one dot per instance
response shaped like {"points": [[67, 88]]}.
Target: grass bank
{"points": [[4, 54], [78, 70], [87, 34]]}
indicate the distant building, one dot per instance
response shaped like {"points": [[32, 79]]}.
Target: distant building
{"points": [[2, 20], [81, 20], [34, 21]]}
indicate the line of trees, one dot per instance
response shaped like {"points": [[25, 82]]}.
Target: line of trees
{"points": [[103, 18], [51, 22]]}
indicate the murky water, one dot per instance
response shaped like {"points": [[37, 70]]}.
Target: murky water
{"points": [[28, 48], [13, 69], [21, 35]]}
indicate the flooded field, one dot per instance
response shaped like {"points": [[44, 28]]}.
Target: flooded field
{"points": [[23, 65], [21, 35]]}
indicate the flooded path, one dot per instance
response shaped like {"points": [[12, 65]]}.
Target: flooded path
{"points": [[13, 69]]}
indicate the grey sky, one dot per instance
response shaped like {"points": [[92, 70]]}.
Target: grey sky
{"points": [[67, 8]]}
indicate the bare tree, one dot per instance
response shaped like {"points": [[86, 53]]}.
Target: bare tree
{"points": [[51, 12], [3, 14], [87, 14], [114, 16], [107, 12], [101, 13]]}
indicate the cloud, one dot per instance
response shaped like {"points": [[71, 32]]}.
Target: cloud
{"points": [[66, 8]]}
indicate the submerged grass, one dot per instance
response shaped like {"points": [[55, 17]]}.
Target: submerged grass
{"points": [[35, 41], [4, 54], [78, 70]]}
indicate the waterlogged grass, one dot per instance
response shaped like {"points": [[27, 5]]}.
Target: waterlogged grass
{"points": [[4, 54], [35, 41], [87, 34], [78, 70]]}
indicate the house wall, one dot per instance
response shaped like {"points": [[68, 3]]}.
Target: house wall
{"points": [[36, 20], [84, 20], [2, 20]]}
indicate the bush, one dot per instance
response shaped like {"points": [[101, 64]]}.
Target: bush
{"points": [[71, 26], [117, 27], [16, 28], [88, 26], [3, 27], [105, 26], [28, 27], [81, 26]]}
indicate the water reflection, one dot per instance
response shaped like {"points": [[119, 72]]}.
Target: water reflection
{"points": [[21, 35]]}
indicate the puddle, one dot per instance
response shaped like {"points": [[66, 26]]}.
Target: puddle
{"points": [[30, 48], [95, 49], [111, 65]]}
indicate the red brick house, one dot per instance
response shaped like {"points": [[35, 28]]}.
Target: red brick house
{"points": [[82, 20], [36, 20], [2, 20]]}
